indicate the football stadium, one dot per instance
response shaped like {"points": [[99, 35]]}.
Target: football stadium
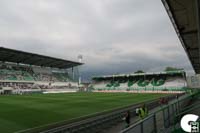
{"points": [[44, 94]]}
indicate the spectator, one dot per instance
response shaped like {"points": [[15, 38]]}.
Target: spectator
{"points": [[163, 101], [128, 118], [177, 96], [143, 111], [137, 111]]}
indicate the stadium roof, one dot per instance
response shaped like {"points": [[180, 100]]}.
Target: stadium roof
{"points": [[140, 74], [185, 17], [16, 56]]}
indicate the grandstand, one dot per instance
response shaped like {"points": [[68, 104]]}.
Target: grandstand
{"points": [[169, 82], [22, 72]]}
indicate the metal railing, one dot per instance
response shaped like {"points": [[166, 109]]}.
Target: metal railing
{"points": [[161, 120]]}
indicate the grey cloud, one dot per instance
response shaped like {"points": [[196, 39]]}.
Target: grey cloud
{"points": [[115, 36]]}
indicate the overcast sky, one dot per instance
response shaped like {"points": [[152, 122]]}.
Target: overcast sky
{"points": [[114, 36]]}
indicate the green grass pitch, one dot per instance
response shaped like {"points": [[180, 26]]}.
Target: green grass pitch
{"points": [[28, 111]]}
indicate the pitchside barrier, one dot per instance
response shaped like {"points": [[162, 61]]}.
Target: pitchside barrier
{"points": [[96, 122], [163, 119], [141, 91]]}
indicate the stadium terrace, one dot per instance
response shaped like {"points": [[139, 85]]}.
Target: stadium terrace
{"points": [[22, 72], [160, 82]]}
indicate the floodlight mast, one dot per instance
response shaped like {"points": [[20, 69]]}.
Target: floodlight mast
{"points": [[80, 59]]}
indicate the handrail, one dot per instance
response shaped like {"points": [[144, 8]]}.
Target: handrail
{"points": [[188, 107], [137, 123], [153, 114], [193, 108]]}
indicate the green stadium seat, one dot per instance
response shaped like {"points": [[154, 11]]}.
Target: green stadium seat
{"points": [[116, 84], [12, 77], [142, 83], [131, 83], [159, 82], [62, 77], [109, 85]]}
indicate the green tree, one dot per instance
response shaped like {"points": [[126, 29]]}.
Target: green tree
{"points": [[172, 69], [139, 71]]}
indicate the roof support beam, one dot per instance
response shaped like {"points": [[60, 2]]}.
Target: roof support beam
{"points": [[37, 61], [6, 58], [57, 64], [49, 62], [26, 59], [62, 65], [189, 32], [198, 24]]}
